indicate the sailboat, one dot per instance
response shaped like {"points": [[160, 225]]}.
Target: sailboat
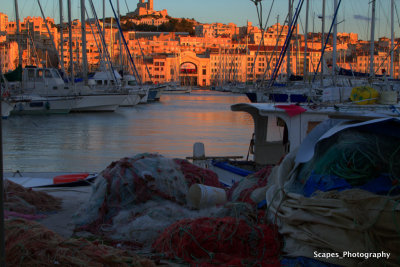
{"points": [[28, 88], [280, 128], [95, 95]]}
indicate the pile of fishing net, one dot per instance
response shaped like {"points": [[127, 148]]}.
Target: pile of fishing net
{"points": [[364, 158], [135, 199], [220, 241], [21, 202], [252, 188], [28, 243], [344, 199]]}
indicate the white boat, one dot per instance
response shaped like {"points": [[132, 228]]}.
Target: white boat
{"points": [[28, 104], [41, 91], [50, 179], [281, 128], [97, 102], [155, 92], [137, 93], [6, 107], [174, 88]]}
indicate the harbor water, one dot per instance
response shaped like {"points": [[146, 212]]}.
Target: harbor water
{"points": [[91, 141]]}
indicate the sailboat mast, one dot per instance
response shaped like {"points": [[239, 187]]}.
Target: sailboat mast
{"points": [[104, 19], [119, 38], [305, 65], [71, 56], [61, 34], [334, 56], [392, 39], [372, 48], [18, 34], [322, 42], [51, 36], [289, 46], [83, 32]]}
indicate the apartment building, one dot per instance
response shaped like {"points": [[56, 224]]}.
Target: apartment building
{"points": [[217, 53], [3, 22]]}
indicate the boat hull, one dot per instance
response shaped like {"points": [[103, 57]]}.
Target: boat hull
{"points": [[98, 102], [6, 108], [131, 100], [50, 105]]}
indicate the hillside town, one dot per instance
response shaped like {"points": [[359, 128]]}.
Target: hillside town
{"points": [[201, 54]]}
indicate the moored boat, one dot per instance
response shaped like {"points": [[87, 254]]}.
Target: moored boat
{"points": [[50, 179]]}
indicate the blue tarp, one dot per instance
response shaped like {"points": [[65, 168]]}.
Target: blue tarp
{"points": [[381, 185]]}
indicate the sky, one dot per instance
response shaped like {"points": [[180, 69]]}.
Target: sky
{"points": [[352, 16]]}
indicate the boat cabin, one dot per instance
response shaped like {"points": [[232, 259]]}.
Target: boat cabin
{"points": [[43, 81]]}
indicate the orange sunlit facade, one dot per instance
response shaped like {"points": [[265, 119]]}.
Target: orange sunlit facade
{"points": [[218, 53]]}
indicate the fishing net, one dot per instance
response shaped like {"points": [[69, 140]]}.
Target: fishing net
{"points": [[145, 222], [353, 158], [13, 214], [333, 221], [28, 243], [136, 198], [250, 189], [26, 201], [220, 241]]}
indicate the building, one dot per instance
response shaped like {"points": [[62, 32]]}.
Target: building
{"points": [[144, 8], [3, 22], [218, 53]]}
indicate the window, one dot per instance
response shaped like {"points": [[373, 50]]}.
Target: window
{"points": [[47, 74], [31, 74], [204, 71], [55, 74], [39, 74]]}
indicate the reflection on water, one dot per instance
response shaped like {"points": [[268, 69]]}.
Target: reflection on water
{"points": [[91, 141]]}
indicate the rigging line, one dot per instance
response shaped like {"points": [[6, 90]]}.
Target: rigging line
{"points": [[126, 45], [94, 37], [51, 38], [288, 39], [262, 37], [106, 54], [386, 57], [147, 69], [397, 14], [273, 52], [327, 38], [127, 8], [360, 29], [385, 15]]}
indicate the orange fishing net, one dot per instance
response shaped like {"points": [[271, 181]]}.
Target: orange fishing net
{"points": [[30, 244], [220, 241], [24, 200]]}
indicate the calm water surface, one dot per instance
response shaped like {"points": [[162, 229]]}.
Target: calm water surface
{"points": [[91, 141]]}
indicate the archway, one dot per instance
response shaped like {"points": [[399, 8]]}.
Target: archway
{"points": [[188, 74]]}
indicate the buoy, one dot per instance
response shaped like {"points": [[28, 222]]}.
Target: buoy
{"points": [[69, 178]]}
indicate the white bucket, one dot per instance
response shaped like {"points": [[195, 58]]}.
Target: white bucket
{"points": [[388, 97], [202, 196]]}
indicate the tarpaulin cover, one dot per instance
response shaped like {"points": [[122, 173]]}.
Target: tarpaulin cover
{"points": [[291, 110], [353, 220]]}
